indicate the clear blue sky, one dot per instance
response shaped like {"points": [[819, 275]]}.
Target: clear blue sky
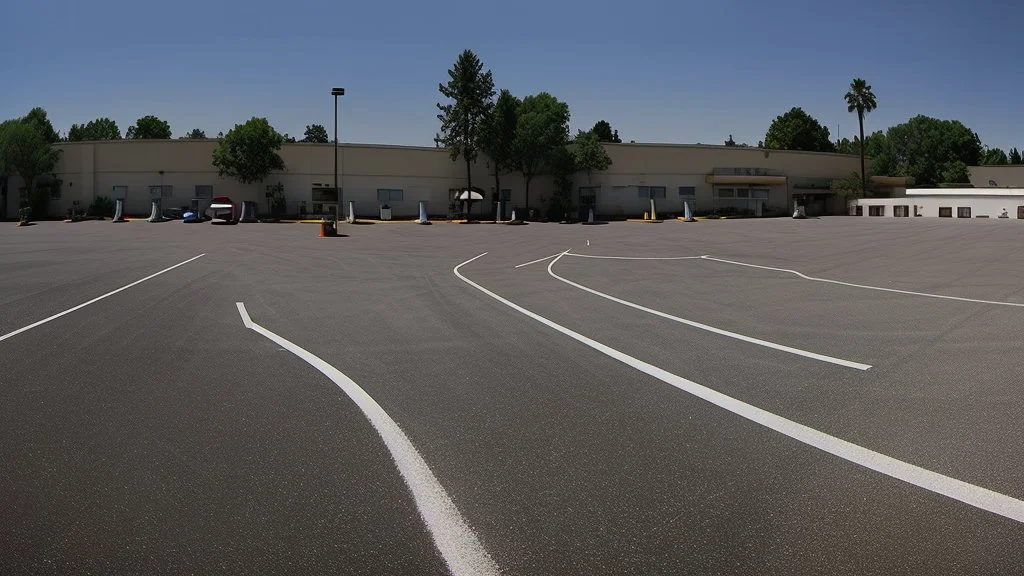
{"points": [[672, 71]]}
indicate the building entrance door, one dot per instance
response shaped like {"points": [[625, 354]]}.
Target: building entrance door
{"points": [[588, 201]]}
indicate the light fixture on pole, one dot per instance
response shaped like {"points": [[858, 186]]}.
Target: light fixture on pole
{"points": [[336, 92]]}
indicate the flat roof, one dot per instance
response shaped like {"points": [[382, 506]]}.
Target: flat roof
{"points": [[966, 192]]}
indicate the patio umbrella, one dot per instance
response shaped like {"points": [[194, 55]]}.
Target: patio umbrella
{"points": [[470, 195]]}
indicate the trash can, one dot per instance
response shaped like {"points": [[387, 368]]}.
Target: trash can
{"points": [[385, 212]]}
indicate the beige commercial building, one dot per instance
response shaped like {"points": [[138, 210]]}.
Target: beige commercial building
{"points": [[761, 182]]}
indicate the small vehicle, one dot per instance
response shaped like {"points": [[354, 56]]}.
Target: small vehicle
{"points": [[223, 211]]}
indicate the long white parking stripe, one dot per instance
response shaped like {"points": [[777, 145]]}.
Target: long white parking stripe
{"points": [[631, 257], [94, 300], [719, 331], [537, 260], [453, 537], [970, 494], [865, 286]]}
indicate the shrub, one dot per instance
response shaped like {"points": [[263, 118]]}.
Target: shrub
{"points": [[102, 206]]}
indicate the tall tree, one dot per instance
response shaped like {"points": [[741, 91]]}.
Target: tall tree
{"points": [[1015, 157], [98, 129], [27, 153], [37, 117], [956, 172], [195, 134], [798, 130], [994, 157], [248, 152], [590, 154], [604, 132], [924, 149], [149, 128], [469, 91], [860, 99], [543, 128], [498, 135], [316, 133], [730, 141]]}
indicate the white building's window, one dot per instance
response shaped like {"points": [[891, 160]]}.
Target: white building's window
{"points": [[901, 211], [656, 192], [388, 195], [876, 210], [945, 212], [963, 212]]}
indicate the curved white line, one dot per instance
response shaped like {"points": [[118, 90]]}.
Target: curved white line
{"points": [[94, 300], [969, 494], [865, 286], [537, 260], [630, 257], [455, 540], [719, 331]]}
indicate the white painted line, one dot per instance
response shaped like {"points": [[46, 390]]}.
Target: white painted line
{"points": [[867, 287], [94, 300], [959, 490], [719, 331], [537, 260], [631, 257], [455, 540]]}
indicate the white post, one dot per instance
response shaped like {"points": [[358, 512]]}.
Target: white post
{"points": [[654, 215], [423, 212], [157, 214], [351, 211], [513, 214], [590, 218], [688, 212], [119, 211]]}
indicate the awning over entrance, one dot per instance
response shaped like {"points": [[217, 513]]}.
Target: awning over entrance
{"points": [[745, 180]]}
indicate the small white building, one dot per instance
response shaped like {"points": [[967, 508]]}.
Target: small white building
{"points": [[945, 203]]}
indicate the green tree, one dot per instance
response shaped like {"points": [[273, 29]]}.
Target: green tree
{"points": [[994, 157], [542, 129], [98, 129], [37, 117], [469, 91], [590, 154], [1015, 157], [798, 130], [847, 146], [248, 152], [26, 152], [860, 99], [604, 132], [316, 133], [562, 165], [923, 148], [149, 128], [956, 172], [195, 134], [498, 135]]}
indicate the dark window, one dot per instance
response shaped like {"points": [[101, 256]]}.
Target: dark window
{"points": [[963, 212], [901, 211], [945, 212], [859, 210], [876, 210]]}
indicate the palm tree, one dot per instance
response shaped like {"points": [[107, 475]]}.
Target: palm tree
{"points": [[862, 99]]}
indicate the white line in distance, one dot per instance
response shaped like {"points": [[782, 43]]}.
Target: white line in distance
{"points": [[969, 494], [537, 260], [94, 300], [455, 540], [865, 286], [712, 329]]}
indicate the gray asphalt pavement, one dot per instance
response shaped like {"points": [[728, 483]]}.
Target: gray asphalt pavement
{"points": [[150, 432]]}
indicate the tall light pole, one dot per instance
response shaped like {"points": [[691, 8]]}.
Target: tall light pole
{"points": [[336, 92]]}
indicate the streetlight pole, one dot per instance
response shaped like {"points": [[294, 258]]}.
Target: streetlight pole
{"points": [[336, 92]]}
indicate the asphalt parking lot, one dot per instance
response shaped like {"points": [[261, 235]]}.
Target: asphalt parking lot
{"points": [[825, 396]]}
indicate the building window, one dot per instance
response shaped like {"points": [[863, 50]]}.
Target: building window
{"points": [[759, 194], [161, 191], [656, 192], [204, 191], [945, 212], [876, 210], [389, 195], [901, 211], [119, 192], [963, 212], [506, 194], [726, 193], [687, 191], [858, 210]]}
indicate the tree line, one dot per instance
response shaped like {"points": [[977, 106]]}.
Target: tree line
{"points": [[529, 135]]}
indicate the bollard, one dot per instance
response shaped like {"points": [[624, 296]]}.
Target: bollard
{"points": [[351, 212], [119, 211], [654, 213], [688, 213], [423, 213], [157, 213], [248, 212]]}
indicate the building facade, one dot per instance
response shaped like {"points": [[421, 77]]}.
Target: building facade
{"points": [[711, 178], [946, 203]]}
